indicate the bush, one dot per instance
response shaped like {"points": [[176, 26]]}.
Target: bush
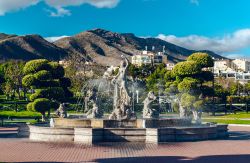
{"points": [[203, 59], [48, 83], [41, 105], [65, 82], [186, 68], [43, 75], [36, 65], [57, 70], [188, 85], [29, 80], [30, 106], [56, 93]]}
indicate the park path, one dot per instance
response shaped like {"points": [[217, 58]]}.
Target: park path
{"points": [[234, 149]]}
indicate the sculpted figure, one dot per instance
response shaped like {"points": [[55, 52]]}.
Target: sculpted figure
{"points": [[149, 112], [62, 111], [91, 100], [95, 112], [122, 100]]}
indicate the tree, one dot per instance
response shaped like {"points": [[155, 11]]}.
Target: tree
{"points": [[202, 59], [47, 78], [190, 76], [13, 74]]}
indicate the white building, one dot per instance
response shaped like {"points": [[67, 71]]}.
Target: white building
{"points": [[241, 65], [147, 58]]}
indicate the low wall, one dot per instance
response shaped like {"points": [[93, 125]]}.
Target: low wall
{"points": [[106, 123], [39, 133], [148, 135], [154, 135]]}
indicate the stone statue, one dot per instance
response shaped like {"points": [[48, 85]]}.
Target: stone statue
{"points": [[91, 100], [62, 111], [149, 112], [95, 112], [122, 100]]}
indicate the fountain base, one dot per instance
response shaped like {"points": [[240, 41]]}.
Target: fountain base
{"points": [[140, 130]]}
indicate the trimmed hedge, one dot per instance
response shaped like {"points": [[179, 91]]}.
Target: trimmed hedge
{"points": [[29, 80], [57, 70], [43, 75], [56, 93], [36, 65], [41, 105]]}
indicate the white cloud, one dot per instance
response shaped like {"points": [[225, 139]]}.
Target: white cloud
{"points": [[229, 43], [14, 5], [53, 39], [58, 5]]}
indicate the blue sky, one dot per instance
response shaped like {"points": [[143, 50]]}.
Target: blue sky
{"points": [[219, 25]]}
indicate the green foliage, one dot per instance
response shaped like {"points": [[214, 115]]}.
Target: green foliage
{"points": [[57, 70], [30, 106], [56, 93], [203, 59], [171, 87], [187, 100], [188, 85], [235, 88], [22, 114], [48, 79], [35, 66], [220, 92], [65, 82], [158, 77], [238, 99], [41, 105], [198, 104], [141, 72], [29, 80], [187, 68], [204, 76], [43, 75]]}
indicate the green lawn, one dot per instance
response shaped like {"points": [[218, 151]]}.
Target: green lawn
{"points": [[228, 121], [22, 114], [31, 121], [238, 115]]}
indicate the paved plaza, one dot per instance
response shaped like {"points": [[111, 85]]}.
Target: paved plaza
{"points": [[234, 149]]}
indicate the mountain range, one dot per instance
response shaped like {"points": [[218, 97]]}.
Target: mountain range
{"points": [[97, 45]]}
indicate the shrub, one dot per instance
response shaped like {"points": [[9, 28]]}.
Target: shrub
{"points": [[203, 59], [35, 66], [43, 75], [56, 93], [29, 80], [57, 70], [30, 106], [41, 105], [65, 82], [188, 85], [186, 68]]}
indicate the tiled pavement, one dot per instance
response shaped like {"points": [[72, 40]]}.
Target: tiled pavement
{"points": [[235, 149]]}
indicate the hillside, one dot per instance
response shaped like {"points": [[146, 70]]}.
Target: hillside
{"points": [[106, 47], [28, 47], [98, 45]]}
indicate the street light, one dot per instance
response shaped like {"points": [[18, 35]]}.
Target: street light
{"points": [[137, 96]]}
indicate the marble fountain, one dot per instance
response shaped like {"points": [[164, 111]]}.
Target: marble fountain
{"points": [[122, 125]]}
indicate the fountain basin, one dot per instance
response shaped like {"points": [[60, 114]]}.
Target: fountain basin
{"points": [[106, 123], [141, 131]]}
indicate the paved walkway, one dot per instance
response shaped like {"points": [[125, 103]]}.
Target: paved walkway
{"points": [[235, 149]]}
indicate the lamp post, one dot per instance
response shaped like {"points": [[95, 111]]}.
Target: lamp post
{"points": [[137, 96]]}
